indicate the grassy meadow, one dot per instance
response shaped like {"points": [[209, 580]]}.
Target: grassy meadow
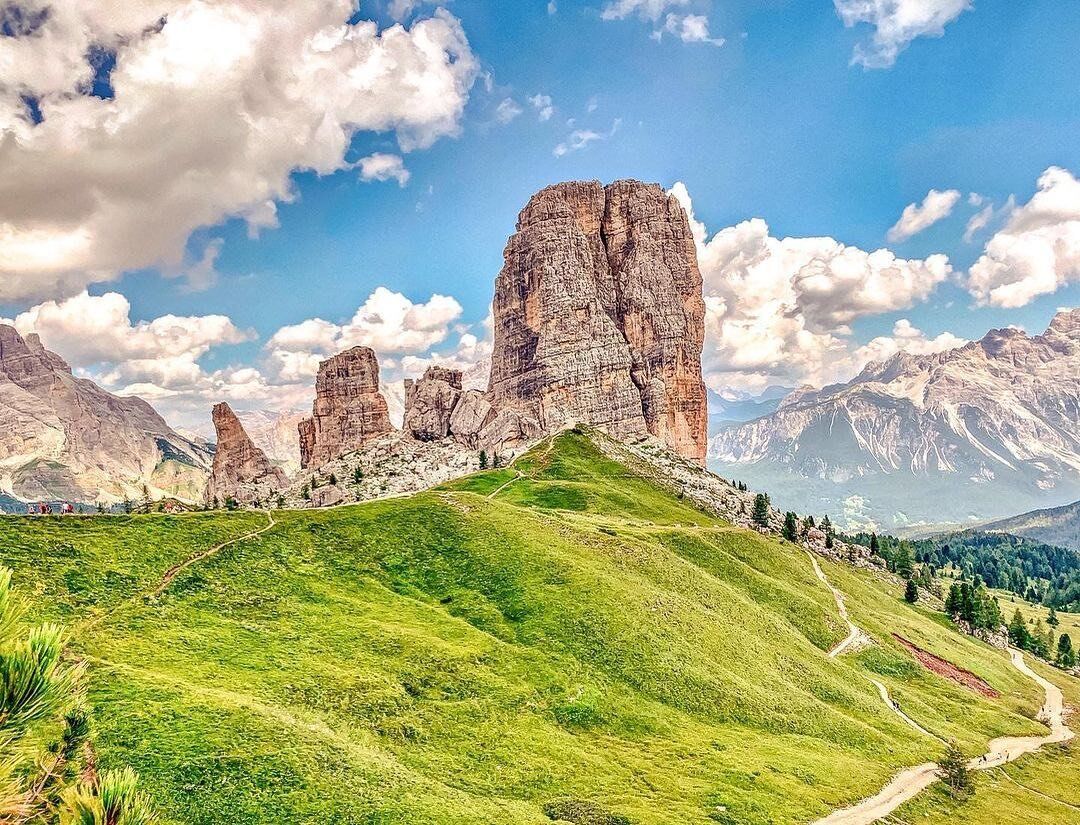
{"points": [[582, 646]]}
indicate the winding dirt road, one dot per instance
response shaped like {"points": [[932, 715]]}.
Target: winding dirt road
{"points": [[912, 781]]}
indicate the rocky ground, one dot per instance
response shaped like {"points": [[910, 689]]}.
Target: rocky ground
{"points": [[393, 464]]}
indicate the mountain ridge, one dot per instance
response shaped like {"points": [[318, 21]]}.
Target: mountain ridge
{"points": [[65, 438], [1058, 526], [999, 416]]}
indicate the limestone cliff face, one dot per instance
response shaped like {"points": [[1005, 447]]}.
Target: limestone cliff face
{"points": [[430, 403], [437, 408], [599, 316], [63, 437], [349, 410], [241, 470]]}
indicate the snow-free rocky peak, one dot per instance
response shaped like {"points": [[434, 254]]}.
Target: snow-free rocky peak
{"points": [[65, 438]]}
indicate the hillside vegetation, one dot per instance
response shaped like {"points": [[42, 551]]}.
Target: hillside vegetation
{"points": [[560, 639], [1056, 525]]}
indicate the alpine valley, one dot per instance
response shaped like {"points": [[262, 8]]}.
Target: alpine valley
{"points": [[456, 412]]}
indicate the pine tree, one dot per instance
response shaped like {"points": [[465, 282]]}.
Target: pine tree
{"points": [[902, 561], [875, 547], [483, 460], [911, 592], [760, 514], [1037, 640], [952, 601], [358, 475], [955, 773], [496, 461], [791, 527], [1066, 656], [45, 731], [145, 499], [1018, 632], [1052, 618]]}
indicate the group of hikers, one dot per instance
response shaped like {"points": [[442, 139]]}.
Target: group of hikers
{"points": [[43, 508]]}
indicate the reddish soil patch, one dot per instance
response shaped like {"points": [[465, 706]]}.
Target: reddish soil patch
{"points": [[947, 669]]}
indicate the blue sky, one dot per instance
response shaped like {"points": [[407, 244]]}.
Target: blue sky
{"points": [[776, 123]]}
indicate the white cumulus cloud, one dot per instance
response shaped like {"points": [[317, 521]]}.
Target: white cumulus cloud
{"points": [[896, 23], [916, 217], [157, 359], [905, 338], [215, 106], [543, 106], [382, 166], [582, 138], [388, 322], [507, 110], [778, 309], [1037, 251], [978, 222], [689, 28], [647, 9]]}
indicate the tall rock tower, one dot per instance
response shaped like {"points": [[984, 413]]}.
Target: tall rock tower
{"points": [[241, 470], [349, 410], [599, 315]]}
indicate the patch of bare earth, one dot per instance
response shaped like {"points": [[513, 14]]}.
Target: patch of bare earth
{"points": [[945, 668]]}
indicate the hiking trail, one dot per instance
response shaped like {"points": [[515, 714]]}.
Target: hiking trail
{"points": [[912, 781]]}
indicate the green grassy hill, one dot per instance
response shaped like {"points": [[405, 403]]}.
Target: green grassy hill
{"points": [[580, 642]]}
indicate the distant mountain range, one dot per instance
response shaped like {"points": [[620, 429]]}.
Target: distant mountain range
{"points": [[1059, 526], [738, 407], [64, 438], [957, 437]]}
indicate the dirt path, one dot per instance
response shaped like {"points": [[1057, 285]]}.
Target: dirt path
{"points": [[177, 569], [888, 700], [520, 475], [912, 781], [504, 485], [1036, 791], [854, 632]]}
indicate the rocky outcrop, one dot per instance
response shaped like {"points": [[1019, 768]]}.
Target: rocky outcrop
{"points": [[436, 407], [241, 471], [65, 438], [470, 415], [430, 403], [599, 317], [349, 410]]}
